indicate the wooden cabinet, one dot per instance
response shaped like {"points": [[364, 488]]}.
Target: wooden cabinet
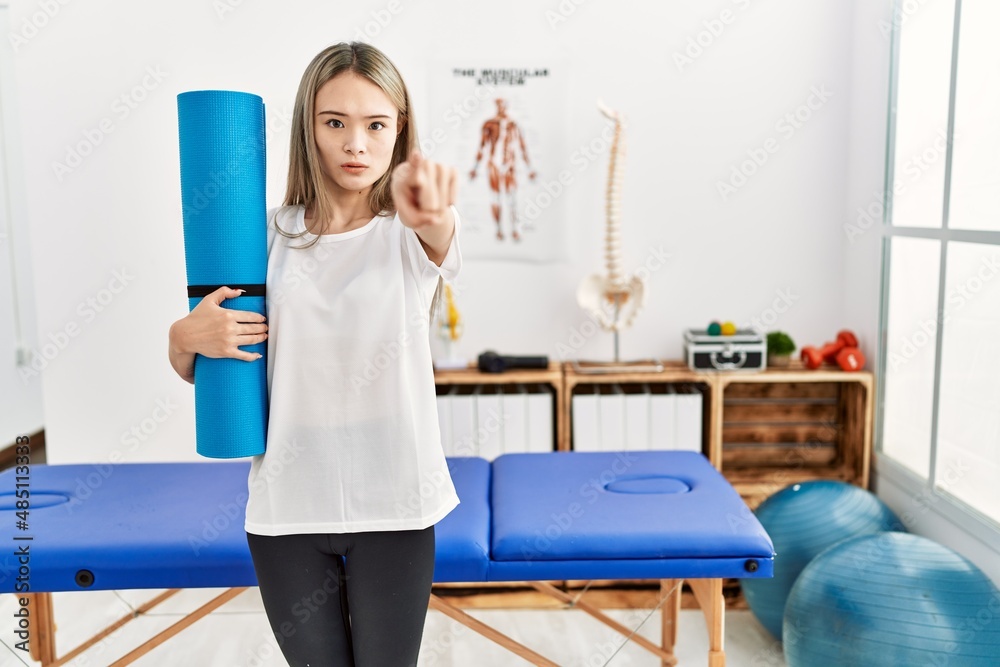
{"points": [[782, 426]]}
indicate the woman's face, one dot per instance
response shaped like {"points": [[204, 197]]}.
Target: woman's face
{"points": [[355, 123]]}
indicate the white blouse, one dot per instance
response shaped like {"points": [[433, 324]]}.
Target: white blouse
{"points": [[353, 442]]}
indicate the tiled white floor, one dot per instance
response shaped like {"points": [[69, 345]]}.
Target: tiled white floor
{"points": [[237, 635]]}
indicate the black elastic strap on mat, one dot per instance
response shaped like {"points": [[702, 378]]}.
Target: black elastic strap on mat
{"points": [[204, 290]]}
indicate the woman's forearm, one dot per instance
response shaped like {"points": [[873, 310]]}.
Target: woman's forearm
{"points": [[181, 359]]}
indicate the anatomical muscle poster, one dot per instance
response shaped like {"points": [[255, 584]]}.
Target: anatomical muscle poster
{"points": [[502, 126]]}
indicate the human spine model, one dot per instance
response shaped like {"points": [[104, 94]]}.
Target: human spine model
{"points": [[621, 292]]}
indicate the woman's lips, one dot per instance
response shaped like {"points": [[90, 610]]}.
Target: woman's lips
{"points": [[352, 169]]}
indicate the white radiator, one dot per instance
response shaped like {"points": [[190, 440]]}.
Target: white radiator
{"points": [[488, 420], [613, 417]]}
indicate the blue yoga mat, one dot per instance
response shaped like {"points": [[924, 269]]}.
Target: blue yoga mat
{"points": [[225, 243]]}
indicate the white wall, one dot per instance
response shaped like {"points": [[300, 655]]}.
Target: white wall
{"points": [[862, 218], [119, 210], [21, 411]]}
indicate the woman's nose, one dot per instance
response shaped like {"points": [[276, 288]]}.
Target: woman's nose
{"points": [[355, 143]]}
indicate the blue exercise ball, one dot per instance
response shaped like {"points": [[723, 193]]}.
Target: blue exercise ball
{"points": [[803, 520], [892, 600]]}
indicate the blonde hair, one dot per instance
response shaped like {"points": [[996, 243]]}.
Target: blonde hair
{"points": [[305, 175]]}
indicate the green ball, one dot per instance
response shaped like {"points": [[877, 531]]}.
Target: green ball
{"points": [[714, 329]]}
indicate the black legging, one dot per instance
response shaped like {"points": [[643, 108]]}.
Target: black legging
{"points": [[346, 599]]}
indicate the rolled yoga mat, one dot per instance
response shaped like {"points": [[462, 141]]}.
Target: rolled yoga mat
{"points": [[225, 243]]}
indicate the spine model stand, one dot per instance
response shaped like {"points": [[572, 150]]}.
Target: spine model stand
{"points": [[624, 295]]}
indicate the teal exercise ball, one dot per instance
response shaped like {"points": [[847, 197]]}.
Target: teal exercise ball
{"points": [[803, 520], [892, 600]]}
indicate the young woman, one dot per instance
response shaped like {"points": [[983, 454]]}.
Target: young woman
{"points": [[342, 505]]}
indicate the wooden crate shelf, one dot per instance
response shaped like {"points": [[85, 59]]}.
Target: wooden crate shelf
{"points": [[793, 424], [472, 375]]}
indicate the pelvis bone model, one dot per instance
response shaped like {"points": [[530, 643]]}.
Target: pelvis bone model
{"points": [[625, 295]]}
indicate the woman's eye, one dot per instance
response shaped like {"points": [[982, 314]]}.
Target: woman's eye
{"points": [[332, 120], [378, 123]]}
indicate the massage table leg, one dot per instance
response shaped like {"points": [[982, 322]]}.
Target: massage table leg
{"points": [[142, 609], [166, 634], [440, 605], [708, 593], [552, 591], [670, 589], [41, 628]]}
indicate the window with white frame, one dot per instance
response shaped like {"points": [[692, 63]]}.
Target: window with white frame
{"points": [[940, 360]]}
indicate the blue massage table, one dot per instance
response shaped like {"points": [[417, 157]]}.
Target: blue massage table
{"points": [[537, 518]]}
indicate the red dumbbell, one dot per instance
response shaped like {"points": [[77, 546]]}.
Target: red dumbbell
{"points": [[812, 357], [851, 359]]}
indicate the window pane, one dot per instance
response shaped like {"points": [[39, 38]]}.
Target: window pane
{"points": [[975, 165], [924, 77], [968, 451], [911, 335]]}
